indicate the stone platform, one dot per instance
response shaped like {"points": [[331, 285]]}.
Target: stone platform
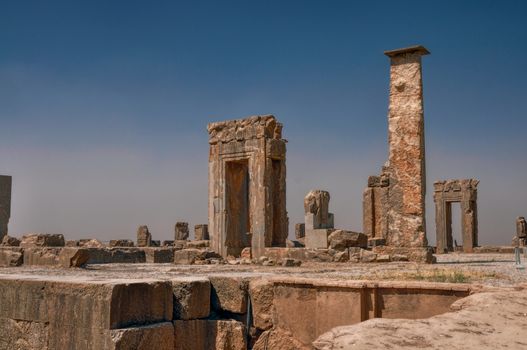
{"points": [[166, 306]]}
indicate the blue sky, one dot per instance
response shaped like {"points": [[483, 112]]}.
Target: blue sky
{"points": [[104, 104]]}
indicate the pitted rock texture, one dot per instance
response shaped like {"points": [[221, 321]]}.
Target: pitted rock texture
{"points": [[495, 320]]}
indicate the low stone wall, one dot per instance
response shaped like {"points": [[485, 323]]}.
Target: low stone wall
{"points": [[62, 256], [200, 313]]}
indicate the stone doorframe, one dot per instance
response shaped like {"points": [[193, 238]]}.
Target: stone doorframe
{"points": [[256, 141], [456, 191]]}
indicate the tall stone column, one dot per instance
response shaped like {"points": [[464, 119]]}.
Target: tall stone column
{"points": [[5, 204], [406, 214]]}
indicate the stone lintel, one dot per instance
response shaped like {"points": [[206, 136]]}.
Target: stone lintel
{"points": [[411, 49]]}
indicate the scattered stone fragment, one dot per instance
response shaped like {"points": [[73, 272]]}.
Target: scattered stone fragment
{"points": [[9, 241], [42, 240], [383, 258], [11, 256], [73, 257], [181, 231], [300, 230], [198, 244], [121, 243], [367, 256], [340, 240], [201, 232], [144, 237], [91, 243], [246, 253]]}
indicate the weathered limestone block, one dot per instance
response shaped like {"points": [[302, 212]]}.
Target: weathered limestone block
{"points": [[187, 256], [127, 255], [23, 335], [144, 237], [42, 240], [178, 245], [191, 298], [158, 336], [339, 255], [5, 203], [73, 257], [42, 256], [90, 243], [181, 231], [116, 255], [198, 244], [79, 315], [9, 241], [317, 238], [340, 240], [201, 232], [300, 231], [422, 255], [316, 202], [156, 255], [11, 256], [229, 293], [72, 243], [320, 255], [521, 231], [209, 334], [121, 243], [278, 339], [261, 293]]}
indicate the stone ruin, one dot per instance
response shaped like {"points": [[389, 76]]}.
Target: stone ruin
{"points": [[144, 237], [445, 193], [520, 240], [247, 188], [181, 231], [394, 202], [319, 222], [201, 232], [5, 204]]}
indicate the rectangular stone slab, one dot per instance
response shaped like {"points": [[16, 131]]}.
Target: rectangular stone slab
{"points": [[75, 302]]}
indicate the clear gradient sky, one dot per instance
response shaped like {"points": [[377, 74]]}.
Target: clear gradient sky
{"points": [[104, 104]]}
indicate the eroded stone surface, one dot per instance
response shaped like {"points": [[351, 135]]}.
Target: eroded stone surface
{"points": [[201, 232], [262, 294], [247, 156], [394, 202], [181, 231], [31, 240], [209, 334], [144, 237], [159, 336], [229, 293], [5, 204], [341, 239], [191, 298], [485, 321]]}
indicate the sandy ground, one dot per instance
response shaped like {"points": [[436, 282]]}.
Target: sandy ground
{"points": [[485, 269]]}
